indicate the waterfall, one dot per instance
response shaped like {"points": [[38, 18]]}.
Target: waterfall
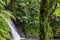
{"points": [[14, 32]]}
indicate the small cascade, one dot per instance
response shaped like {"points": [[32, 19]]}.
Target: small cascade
{"points": [[14, 32]]}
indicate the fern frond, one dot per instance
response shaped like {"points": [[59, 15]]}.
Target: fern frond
{"points": [[6, 15]]}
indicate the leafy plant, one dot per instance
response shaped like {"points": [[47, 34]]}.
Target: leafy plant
{"points": [[4, 27]]}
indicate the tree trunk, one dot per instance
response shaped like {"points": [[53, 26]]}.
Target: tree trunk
{"points": [[44, 19], [42, 12]]}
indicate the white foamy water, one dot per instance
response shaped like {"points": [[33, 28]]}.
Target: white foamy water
{"points": [[14, 32]]}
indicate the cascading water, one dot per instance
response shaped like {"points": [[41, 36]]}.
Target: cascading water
{"points": [[14, 32]]}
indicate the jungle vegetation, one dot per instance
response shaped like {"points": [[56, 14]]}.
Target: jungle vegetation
{"points": [[40, 18]]}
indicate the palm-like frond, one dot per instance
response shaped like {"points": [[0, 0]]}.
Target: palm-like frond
{"points": [[6, 15], [4, 29]]}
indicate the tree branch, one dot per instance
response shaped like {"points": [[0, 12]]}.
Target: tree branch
{"points": [[2, 4]]}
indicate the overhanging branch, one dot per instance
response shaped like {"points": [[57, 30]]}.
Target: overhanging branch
{"points": [[2, 4]]}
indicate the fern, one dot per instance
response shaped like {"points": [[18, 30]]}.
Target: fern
{"points": [[4, 29], [6, 15]]}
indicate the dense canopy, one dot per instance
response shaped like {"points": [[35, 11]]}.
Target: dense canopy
{"points": [[37, 18]]}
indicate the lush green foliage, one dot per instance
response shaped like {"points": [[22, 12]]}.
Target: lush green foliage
{"points": [[4, 29], [28, 14]]}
